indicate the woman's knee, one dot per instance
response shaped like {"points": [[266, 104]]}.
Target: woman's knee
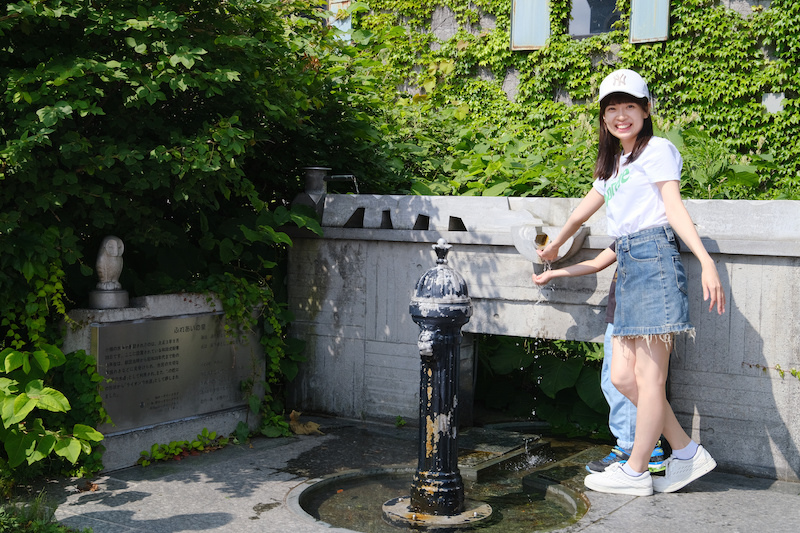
{"points": [[625, 382]]}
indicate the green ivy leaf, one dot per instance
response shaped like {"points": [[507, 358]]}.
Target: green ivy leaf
{"points": [[8, 386], [509, 356], [18, 446], [54, 354], [15, 409], [497, 190], [272, 431], [13, 359], [85, 432], [41, 358], [587, 416], [589, 389], [69, 448], [268, 234], [50, 115], [743, 175], [46, 397], [289, 368], [44, 445], [558, 374], [227, 250], [421, 189], [254, 402]]}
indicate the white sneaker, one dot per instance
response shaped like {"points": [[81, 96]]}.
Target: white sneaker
{"points": [[681, 472], [615, 481]]}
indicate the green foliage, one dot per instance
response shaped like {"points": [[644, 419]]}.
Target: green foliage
{"points": [[777, 368], [241, 433], [181, 128], [448, 151], [708, 81], [26, 437], [176, 450], [554, 381], [250, 305], [34, 516], [709, 165]]}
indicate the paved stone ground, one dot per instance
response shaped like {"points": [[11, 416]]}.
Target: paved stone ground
{"points": [[249, 489]]}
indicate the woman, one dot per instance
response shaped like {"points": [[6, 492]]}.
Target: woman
{"points": [[637, 176]]}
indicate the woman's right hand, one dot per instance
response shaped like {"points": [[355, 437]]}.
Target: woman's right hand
{"points": [[543, 278], [588, 206]]}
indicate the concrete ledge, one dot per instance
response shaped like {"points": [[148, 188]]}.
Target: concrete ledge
{"points": [[735, 227], [731, 246], [124, 449], [439, 213]]}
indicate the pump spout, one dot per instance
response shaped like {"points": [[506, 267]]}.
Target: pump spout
{"points": [[529, 238]]}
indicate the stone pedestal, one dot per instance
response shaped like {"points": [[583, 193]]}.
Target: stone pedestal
{"points": [[169, 369], [108, 299]]}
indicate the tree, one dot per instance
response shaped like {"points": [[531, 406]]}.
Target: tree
{"points": [[177, 126]]}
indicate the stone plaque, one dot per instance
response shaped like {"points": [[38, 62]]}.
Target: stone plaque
{"points": [[166, 369]]}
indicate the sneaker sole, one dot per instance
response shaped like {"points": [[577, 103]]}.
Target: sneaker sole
{"points": [[630, 491], [703, 469], [656, 467]]}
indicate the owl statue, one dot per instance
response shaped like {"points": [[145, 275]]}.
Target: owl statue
{"points": [[109, 264]]}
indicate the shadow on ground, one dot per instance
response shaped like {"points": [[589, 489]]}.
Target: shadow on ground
{"points": [[354, 447]]}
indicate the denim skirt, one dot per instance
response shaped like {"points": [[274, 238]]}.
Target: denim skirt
{"points": [[652, 296]]}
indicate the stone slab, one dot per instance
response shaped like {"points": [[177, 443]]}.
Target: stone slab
{"points": [[164, 369], [170, 371]]}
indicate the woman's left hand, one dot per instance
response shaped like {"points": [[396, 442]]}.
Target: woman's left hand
{"points": [[682, 223]]}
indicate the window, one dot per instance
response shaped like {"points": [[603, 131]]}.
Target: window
{"points": [[530, 24], [649, 20], [342, 23], [591, 17]]}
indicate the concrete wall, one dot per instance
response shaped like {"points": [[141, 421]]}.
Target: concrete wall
{"points": [[350, 293]]}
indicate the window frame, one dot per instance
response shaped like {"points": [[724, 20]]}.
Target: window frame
{"points": [[649, 22]]}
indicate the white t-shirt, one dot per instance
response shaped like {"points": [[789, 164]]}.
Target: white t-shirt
{"points": [[633, 202]]}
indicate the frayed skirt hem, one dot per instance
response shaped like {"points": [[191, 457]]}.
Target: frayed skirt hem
{"points": [[664, 337]]}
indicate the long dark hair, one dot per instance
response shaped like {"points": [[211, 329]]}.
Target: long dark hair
{"points": [[609, 150]]}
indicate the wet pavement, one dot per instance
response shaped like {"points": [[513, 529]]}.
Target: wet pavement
{"points": [[255, 487]]}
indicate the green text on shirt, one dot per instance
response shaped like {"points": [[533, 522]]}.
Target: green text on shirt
{"points": [[614, 186]]}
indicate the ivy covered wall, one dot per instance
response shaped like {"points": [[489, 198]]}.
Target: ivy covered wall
{"points": [[463, 100]]}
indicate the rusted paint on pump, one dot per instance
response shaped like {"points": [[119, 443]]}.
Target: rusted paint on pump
{"points": [[440, 306]]}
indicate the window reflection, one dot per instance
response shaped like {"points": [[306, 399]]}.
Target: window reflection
{"points": [[590, 17]]}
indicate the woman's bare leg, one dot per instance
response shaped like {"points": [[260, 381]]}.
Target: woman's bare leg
{"points": [[623, 368], [648, 362]]}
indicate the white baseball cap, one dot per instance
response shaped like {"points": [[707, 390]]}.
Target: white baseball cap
{"points": [[624, 81]]}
